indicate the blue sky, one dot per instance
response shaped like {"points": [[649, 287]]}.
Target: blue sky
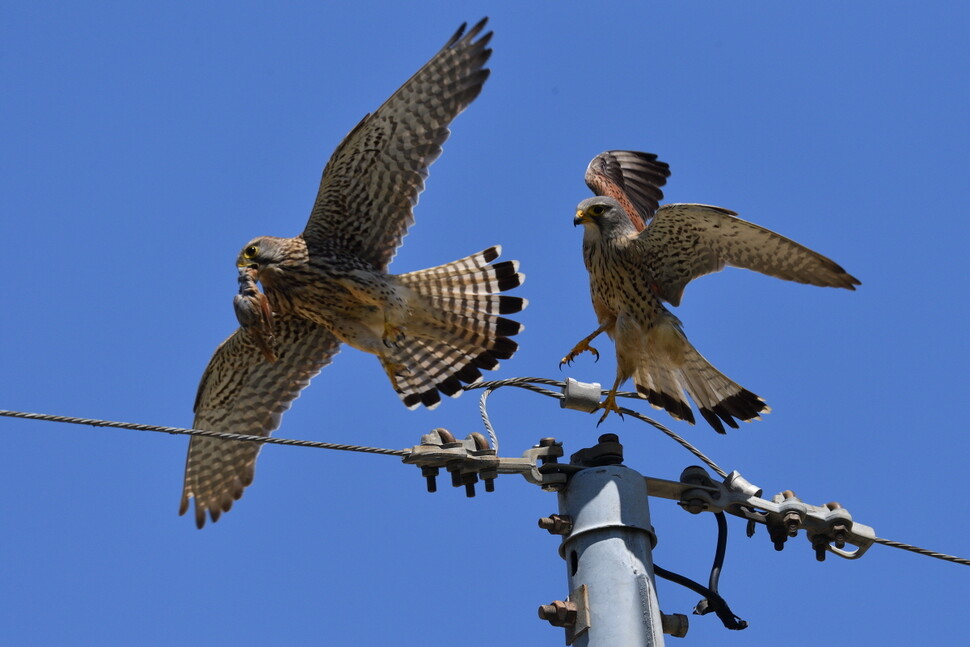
{"points": [[144, 144]]}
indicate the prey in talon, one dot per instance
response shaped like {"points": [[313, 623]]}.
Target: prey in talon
{"points": [[254, 312]]}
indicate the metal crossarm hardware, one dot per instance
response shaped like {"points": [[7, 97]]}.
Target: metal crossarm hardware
{"points": [[829, 527], [470, 459]]}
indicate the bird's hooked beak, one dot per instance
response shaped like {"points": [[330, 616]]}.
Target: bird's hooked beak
{"points": [[581, 218]]}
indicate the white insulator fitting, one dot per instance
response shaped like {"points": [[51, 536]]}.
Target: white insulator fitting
{"points": [[581, 396]]}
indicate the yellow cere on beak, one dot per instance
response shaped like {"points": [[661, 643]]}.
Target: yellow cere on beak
{"points": [[580, 217]]}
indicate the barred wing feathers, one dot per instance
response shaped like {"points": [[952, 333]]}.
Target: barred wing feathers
{"points": [[242, 393], [372, 181]]}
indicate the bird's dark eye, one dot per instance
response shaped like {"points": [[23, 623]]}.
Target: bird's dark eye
{"points": [[597, 209], [250, 252]]}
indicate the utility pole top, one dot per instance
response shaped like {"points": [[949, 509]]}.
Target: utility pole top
{"points": [[604, 519], [607, 539]]}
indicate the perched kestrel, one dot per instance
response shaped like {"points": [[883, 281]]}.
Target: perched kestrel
{"points": [[432, 330], [634, 268]]}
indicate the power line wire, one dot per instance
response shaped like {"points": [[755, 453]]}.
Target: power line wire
{"points": [[921, 551], [528, 383], [202, 432]]}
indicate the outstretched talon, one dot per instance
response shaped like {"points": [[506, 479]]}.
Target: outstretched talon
{"points": [[609, 404], [584, 346], [578, 350], [393, 335]]}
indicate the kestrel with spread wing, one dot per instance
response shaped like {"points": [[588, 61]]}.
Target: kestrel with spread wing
{"points": [[634, 267], [432, 330]]}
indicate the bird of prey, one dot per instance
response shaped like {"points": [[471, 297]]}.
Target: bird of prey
{"points": [[432, 330], [634, 267]]}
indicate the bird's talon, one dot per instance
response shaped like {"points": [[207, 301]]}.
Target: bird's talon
{"points": [[393, 336], [609, 405], [578, 350]]}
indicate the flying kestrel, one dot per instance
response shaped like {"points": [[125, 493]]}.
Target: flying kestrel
{"points": [[634, 267], [432, 330]]}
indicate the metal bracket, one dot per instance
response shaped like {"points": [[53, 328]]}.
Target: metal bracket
{"points": [[571, 614], [829, 528], [580, 597], [471, 458]]}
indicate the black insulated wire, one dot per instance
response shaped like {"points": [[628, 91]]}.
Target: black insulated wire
{"points": [[712, 602]]}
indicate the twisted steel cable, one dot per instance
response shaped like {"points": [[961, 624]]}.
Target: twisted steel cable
{"points": [[527, 383], [202, 432]]}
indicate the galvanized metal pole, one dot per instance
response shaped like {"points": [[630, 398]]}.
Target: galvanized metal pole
{"points": [[607, 553]]}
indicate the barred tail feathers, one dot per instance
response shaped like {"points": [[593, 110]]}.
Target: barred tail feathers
{"points": [[670, 365], [463, 330]]}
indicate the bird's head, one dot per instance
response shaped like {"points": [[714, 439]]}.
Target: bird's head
{"points": [[263, 254], [603, 216]]}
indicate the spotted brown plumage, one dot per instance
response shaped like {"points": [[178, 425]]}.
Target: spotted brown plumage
{"points": [[635, 267], [432, 330]]}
